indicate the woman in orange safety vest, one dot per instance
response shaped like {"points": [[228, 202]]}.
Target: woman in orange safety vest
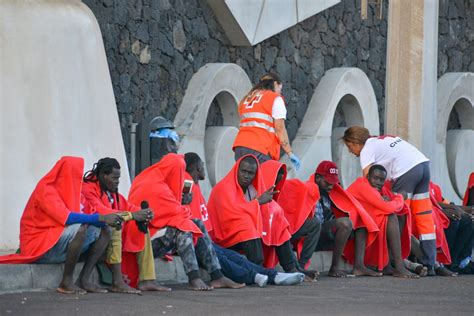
{"points": [[262, 123]]}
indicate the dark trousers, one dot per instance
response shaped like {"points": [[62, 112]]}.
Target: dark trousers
{"points": [[237, 268], [253, 250], [242, 151], [311, 231], [459, 236]]}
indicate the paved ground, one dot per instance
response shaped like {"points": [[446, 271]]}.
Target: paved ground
{"points": [[360, 296]]}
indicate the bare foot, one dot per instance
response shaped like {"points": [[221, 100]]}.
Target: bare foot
{"points": [[150, 285], [421, 270], [66, 288], [91, 287], [337, 273], [123, 288], [364, 271], [443, 271], [199, 285], [404, 274], [388, 270], [226, 283]]}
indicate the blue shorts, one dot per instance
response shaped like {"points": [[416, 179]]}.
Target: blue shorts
{"points": [[57, 254]]}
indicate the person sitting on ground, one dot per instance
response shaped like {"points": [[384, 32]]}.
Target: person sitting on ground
{"points": [[275, 228], [385, 213], [350, 217], [458, 234], [409, 170], [298, 200], [235, 210], [101, 191], [234, 266], [53, 228], [172, 228]]}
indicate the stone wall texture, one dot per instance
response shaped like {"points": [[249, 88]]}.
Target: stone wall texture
{"points": [[154, 47]]}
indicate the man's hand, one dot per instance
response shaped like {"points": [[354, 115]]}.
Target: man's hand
{"points": [[144, 215], [267, 196], [186, 198], [113, 220]]}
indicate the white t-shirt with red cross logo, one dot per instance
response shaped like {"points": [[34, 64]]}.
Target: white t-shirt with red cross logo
{"points": [[393, 153]]}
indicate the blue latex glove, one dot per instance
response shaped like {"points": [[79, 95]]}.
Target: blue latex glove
{"points": [[295, 161]]}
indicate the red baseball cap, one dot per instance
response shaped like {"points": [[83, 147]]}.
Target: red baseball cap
{"points": [[329, 171]]}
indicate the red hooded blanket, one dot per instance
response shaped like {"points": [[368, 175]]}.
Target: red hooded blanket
{"points": [[441, 223], [235, 220], [346, 205], [161, 185], [275, 227], [56, 195], [298, 199], [470, 185], [377, 254], [198, 205]]}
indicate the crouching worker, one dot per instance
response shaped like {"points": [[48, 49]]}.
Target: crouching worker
{"points": [[53, 228], [101, 191]]}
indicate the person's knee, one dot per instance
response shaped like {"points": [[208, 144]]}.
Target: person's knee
{"points": [[105, 235], [81, 233], [343, 223], [393, 219], [313, 224]]}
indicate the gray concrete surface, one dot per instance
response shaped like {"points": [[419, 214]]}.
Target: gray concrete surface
{"points": [[28, 277], [350, 296]]}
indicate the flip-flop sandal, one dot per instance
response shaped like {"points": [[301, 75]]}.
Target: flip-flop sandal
{"points": [[65, 291], [125, 291], [97, 290]]}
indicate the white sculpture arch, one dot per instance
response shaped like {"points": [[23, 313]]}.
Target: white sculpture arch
{"points": [[56, 99], [227, 83], [314, 141], [454, 149]]}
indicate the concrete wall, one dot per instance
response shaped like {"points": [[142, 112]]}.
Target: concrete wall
{"points": [[56, 99], [154, 48]]}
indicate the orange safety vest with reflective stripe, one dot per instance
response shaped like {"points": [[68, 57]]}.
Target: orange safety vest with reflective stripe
{"points": [[256, 129]]}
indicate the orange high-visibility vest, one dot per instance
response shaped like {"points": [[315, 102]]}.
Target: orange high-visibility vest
{"points": [[257, 130]]}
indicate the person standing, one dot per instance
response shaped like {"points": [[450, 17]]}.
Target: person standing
{"points": [[262, 128], [409, 170]]}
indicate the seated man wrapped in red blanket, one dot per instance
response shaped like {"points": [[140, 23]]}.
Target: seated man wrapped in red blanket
{"points": [[236, 208], [349, 216], [53, 228], [385, 212], [234, 266], [173, 228], [101, 191]]}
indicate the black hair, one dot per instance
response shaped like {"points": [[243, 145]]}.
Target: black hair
{"points": [[103, 166], [192, 159], [376, 167]]}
